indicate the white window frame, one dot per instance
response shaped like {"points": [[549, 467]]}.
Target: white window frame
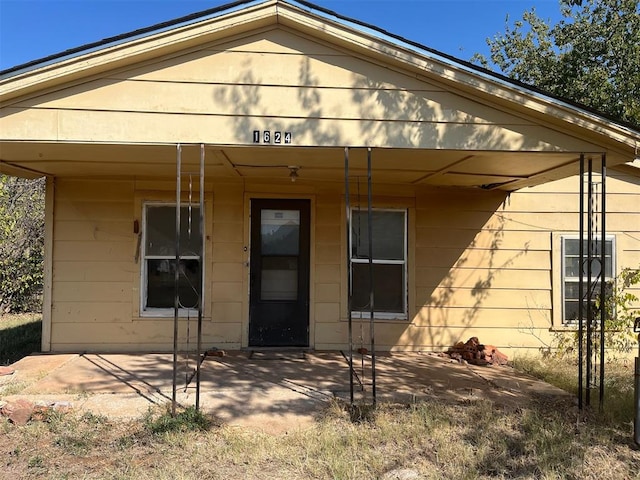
{"points": [[564, 279], [405, 287], [144, 286]]}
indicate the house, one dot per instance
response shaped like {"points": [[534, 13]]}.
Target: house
{"points": [[474, 201]]}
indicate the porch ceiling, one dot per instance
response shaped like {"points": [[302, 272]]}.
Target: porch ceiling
{"points": [[504, 170]]}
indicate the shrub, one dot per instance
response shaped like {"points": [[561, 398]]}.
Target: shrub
{"points": [[621, 309], [21, 244]]}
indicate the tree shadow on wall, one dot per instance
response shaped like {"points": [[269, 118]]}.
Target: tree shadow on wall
{"points": [[407, 114], [463, 281], [247, 97]]}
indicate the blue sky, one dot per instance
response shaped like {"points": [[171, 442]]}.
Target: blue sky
{"points": [[32, 29]]}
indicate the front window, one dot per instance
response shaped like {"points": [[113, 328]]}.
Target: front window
{"points": [[571, 273], [389, 229], [159, 258]]}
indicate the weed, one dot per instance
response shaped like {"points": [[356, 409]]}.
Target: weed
{"points": [[36, 462], [361, 413], [126, 442], [189, 419], [13, 388], [58, 421], [93, 419], [73, 444]]}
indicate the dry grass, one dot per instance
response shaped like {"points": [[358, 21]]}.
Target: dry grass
{"points": [[618, 386], [432, 440]]}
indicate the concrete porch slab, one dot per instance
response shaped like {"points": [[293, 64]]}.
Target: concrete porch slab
{"points": [[273, 393]]}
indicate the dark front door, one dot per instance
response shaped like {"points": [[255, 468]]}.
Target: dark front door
{"points": [[279, 291]]}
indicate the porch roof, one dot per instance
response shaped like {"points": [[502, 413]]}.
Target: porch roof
{"points": [[414, 167]]}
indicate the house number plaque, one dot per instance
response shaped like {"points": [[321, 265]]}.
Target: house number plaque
{"points": [[267, 136]]}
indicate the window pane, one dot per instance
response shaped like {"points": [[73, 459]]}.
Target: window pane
{"points": [[595, 267], [571, 247], [595, 247], [280, 232], [572, 269], [388, 235], [279, 279], [572, 266], [608, 268], [571, 290], [571, 297], [161, 228], [388, 289], [571, 310], [161, 281]]}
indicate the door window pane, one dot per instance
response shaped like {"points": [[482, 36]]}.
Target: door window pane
{"points": [[280, 232], [279, 278]]}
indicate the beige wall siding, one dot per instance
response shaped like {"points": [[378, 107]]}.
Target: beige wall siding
{"points": [[93, 260], [229, 269], [480, 263], [330, 254], [277, 80], [500, 286]]}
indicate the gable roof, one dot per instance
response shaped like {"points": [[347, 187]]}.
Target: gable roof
{"points": [[241, 18], [318, 10], [161, 38]]}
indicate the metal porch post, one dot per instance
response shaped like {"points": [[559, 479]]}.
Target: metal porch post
{"points": [[349, 278], [176, 279], [581, 288], [603, 259], [589, 281], [201, 292], [371, 279]]}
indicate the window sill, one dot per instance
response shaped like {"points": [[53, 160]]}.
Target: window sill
{"points": [[378, 317], [166, 314], [570, 327]]}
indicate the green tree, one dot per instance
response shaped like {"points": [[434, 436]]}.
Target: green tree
{"points": [[21, 243], [591, 56]]}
